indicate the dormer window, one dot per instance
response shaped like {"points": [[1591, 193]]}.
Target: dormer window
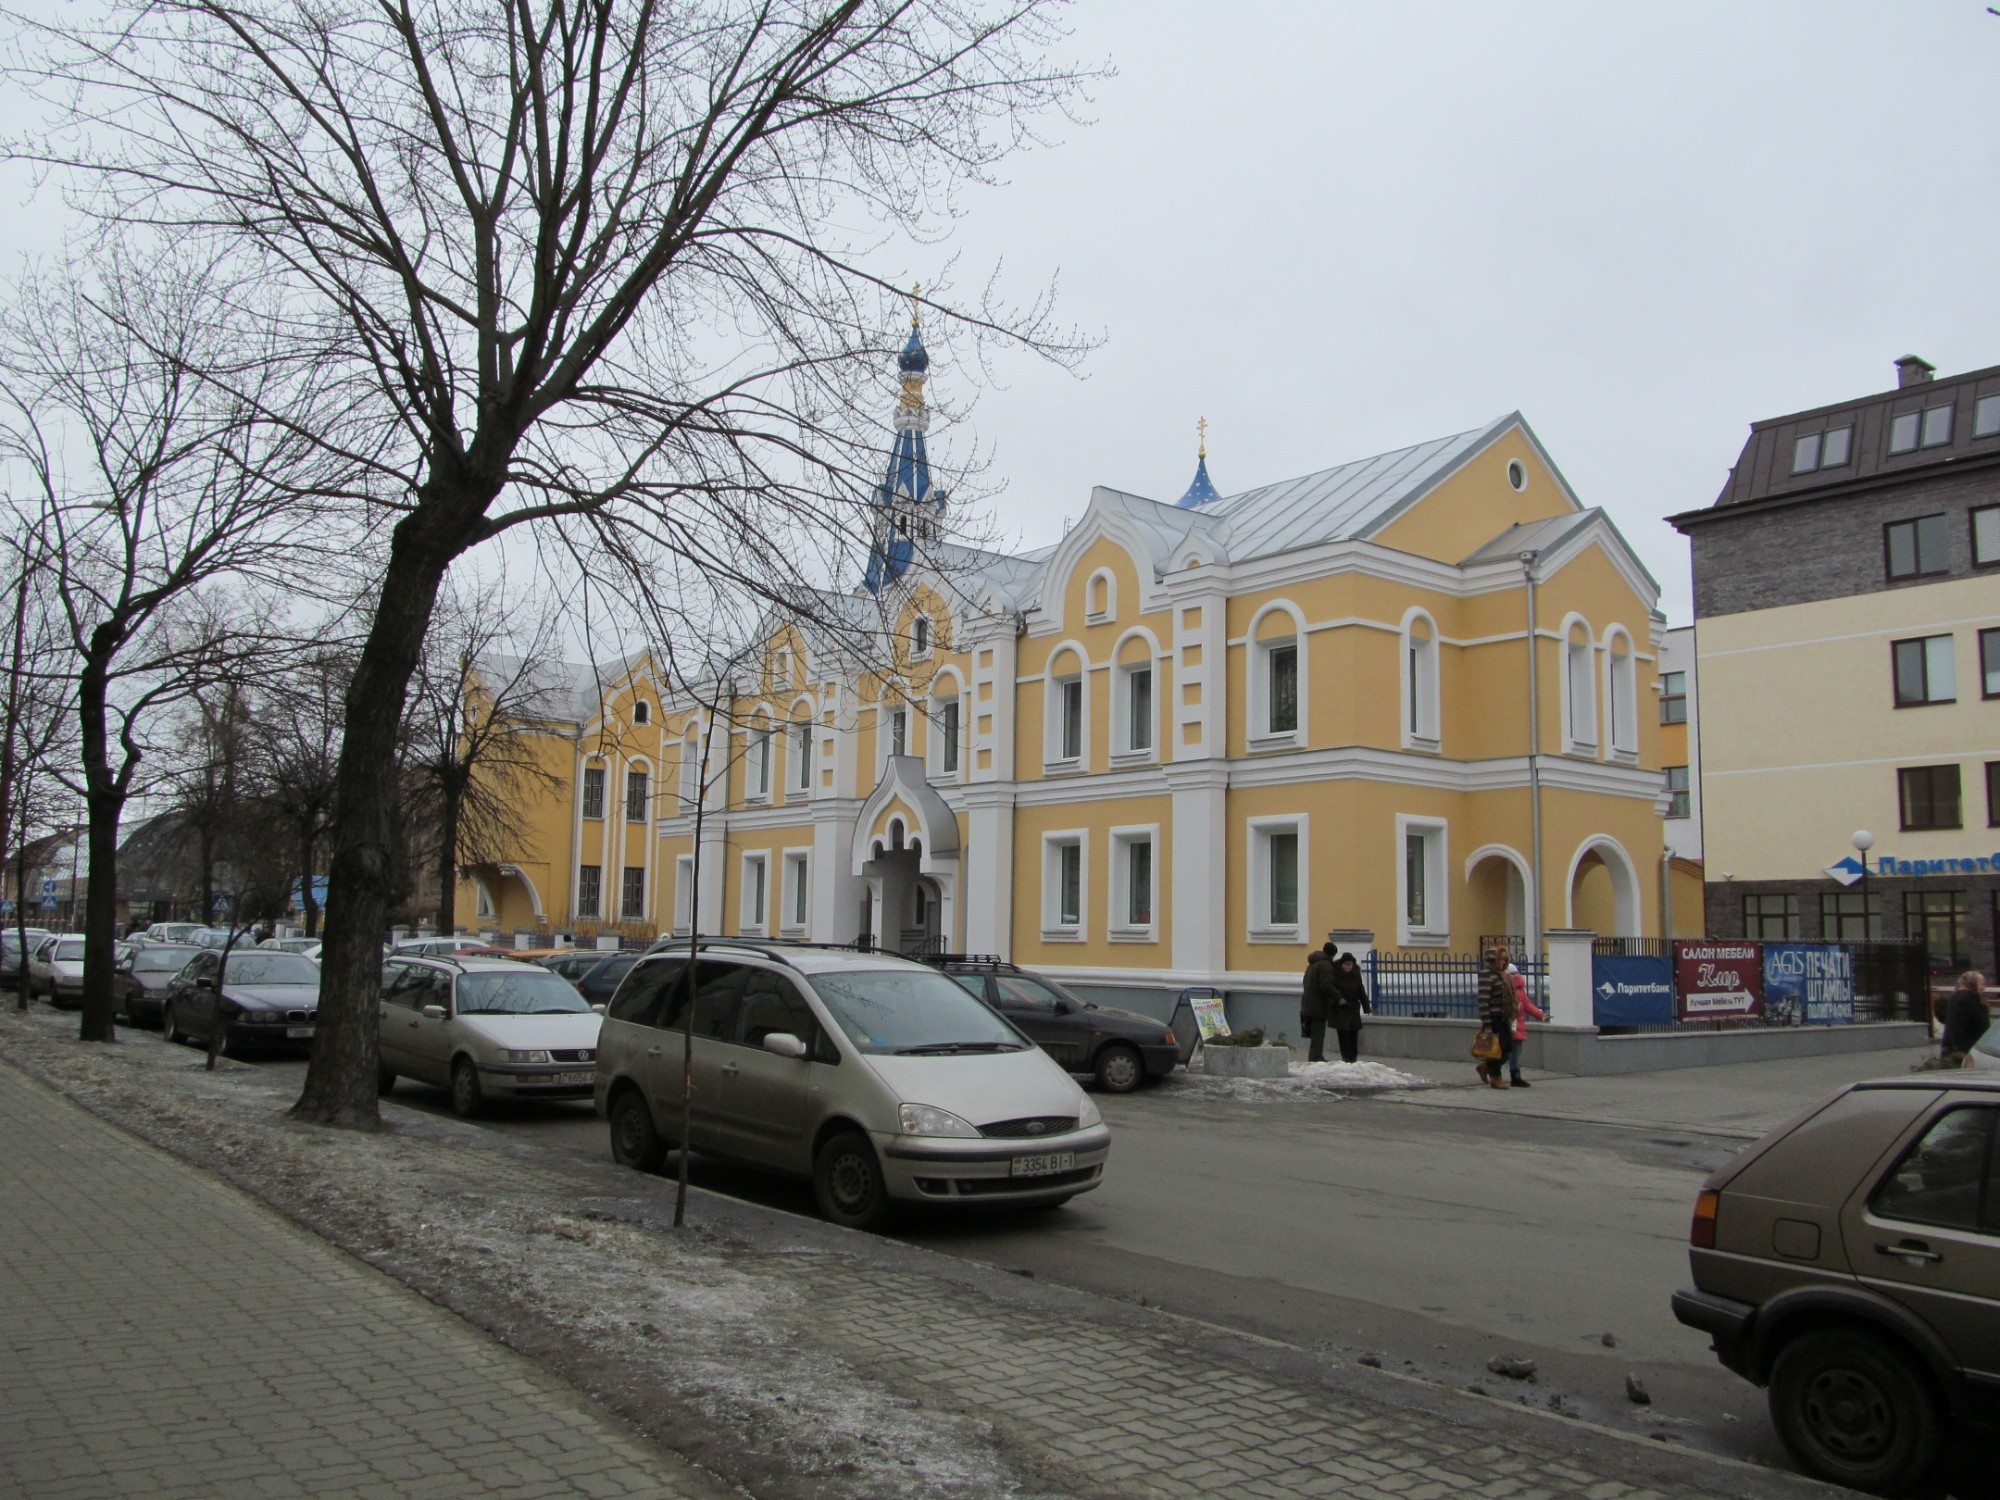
{"points": [[1929, 428], [920, 636], [1986, 416], [642, 712], [1822, 450]]}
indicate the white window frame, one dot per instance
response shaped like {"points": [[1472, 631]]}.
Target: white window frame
{"points": [[1621, 694], [781, 667], [945, 688], [1054, 929], [1436, 929], [747, 920], [1123, 721], [1257, 833], [895, 728], [1579, 688], [603, 792], [684, 893], [1261, 735], [1094, 614], [799, 742], [638, 767], [1422, 698], [637, 913], [1120, 928], [757, 755], [1053, 685], [796, 893], [923, 635], [690, 773]]}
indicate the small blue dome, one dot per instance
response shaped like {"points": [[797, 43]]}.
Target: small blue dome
{"points": [[914, 360], [1201, 491]]}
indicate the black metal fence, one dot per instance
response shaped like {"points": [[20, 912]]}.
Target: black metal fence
{"points": [[1427, 984]]}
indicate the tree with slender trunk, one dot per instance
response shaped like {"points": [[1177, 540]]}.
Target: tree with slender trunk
{"points": [[37, 720], [482, 698], [609, 264], [294, 748], [160, 497]]}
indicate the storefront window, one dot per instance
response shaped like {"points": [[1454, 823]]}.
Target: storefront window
{"points": [[1771, 919], [1843, 919], [1937, 919]]}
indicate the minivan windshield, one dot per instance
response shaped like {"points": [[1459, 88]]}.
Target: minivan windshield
{"points": [[69, 950], [164, 960], [529, 990], [912, 1012]]}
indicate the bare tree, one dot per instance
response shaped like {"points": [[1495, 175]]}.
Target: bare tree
{"points": [[595, 263], [159, 495], [205, 780], [37, 722], [295, 747], [482, 690]]}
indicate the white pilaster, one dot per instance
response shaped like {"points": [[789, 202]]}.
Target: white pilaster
{"points": [[989, 870], [1200, 855], [1569, 976]]}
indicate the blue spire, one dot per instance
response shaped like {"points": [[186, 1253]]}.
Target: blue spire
{"points": [[908, 509], [1201, 491]]}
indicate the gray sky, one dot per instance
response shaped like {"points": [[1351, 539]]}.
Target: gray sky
{"points": [[1336, 229]]}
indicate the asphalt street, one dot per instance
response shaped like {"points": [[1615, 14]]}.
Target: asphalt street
{"points": [[1433, 1239]]}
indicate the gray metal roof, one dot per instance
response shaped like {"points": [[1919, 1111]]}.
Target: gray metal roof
{"points": [[1532, 536]]}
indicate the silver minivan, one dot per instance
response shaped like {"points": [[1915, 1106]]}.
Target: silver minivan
{"points": [[877, 1078]]}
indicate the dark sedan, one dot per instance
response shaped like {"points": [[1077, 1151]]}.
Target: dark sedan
{"points": [[596, 974], [1120, 1048], [257, 997], [139, 985]]}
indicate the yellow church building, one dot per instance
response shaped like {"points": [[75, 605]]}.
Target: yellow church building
{"points": [[1414, 694]]}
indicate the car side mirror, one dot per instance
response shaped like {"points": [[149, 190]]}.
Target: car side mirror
{"points": [[1066, 1006], [435, 1012], [784, 1044], [204, 983], [600, 1009]]}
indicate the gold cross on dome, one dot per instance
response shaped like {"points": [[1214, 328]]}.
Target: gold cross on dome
{"points": [[1201, 432]]}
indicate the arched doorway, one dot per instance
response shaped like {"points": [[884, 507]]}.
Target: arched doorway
{"points": [[1603, 889], [1496, 879]]}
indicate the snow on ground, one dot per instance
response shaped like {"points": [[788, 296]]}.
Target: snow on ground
{"points": [[1307, 1081]]}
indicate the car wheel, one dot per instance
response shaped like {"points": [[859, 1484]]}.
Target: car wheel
{"points": [[385, 1080], [635, 1139], [169, 1028], [1119, 1070], [467, 1098], [1852, 1409], [847, 1182]]}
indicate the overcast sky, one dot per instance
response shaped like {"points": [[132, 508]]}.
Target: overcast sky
{"points": [[1337, 229]]}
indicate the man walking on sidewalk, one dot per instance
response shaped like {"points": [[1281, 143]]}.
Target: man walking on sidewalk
{"points": [[1316, 998]]}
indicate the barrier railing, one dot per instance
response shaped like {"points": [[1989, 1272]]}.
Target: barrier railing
{"points": [[1425, 984]]}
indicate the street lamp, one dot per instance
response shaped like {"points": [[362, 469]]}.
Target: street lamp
{"points": [[1863, 841]]}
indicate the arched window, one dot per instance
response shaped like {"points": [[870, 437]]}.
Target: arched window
{"points": [[642, 712], [1277, 677], [690, 771], [799, 748], [920, 636], [1135, 699], [1621, 693], [947, 727], [1421, 707], [1066, 736], [1100, 597], [1579, 689]]}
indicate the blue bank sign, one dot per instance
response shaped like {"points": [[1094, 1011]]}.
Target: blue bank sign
{"points": [[1629, 991], [1850, 869]]}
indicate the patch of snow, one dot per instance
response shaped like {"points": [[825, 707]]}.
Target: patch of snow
{"points": [[1306, 1081]]}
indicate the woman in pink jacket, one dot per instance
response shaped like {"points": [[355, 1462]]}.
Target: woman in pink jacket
{"points": [[1523, 1009]]}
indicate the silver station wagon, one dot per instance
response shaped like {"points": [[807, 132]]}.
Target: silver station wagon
{"points": [[878, 1078]]}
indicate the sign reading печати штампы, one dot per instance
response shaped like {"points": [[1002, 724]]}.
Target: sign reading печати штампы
{"points": [[1714, 979]]}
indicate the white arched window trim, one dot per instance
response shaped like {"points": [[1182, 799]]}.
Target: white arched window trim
{"points": [[801, 740], [1621, 693], [690, 769], [1417, 664], [1133, 742], [1262, 659], [760, 755], [1100, 597], [946, 687], [1579, 686], [1068, 663]]}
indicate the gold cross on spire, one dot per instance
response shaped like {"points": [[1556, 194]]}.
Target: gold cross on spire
{"points": [[1201, 432], [916, 292]]}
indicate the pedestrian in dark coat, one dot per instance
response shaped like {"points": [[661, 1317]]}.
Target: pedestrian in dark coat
{"points": [[1315, 1001], [1965, 1018], [1350, 1003], [1496, 1013]]}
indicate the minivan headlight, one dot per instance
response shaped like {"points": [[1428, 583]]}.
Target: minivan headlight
{"points": [[922, 1119], [1089, 1115]]}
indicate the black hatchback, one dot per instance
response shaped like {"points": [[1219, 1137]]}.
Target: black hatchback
{"points": [[1120, 1048]]}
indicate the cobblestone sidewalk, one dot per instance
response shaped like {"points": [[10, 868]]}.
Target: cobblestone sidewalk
{"points": [[162, 1335]]}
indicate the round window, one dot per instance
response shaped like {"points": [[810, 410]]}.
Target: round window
{"points": [[1517, 474]]}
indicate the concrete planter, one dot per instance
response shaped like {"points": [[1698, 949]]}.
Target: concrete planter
{"points": [[1247, 1062]]}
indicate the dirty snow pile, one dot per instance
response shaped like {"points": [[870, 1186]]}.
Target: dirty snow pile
{"points": [[1307, 1081]]}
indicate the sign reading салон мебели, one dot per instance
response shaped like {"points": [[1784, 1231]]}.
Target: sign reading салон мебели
{"points": [[1713, 980], [1809, 982]]}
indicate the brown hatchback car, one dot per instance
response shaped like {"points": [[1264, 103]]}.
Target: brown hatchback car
{"points": [[1850, 1261]]}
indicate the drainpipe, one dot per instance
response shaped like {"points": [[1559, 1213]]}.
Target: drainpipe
{"points": [[1534, 934]]}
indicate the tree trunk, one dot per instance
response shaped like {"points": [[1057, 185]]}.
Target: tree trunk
{"points": [[340, 1086], [308, 906], [205, 841], [104, 801], [450, 805]]}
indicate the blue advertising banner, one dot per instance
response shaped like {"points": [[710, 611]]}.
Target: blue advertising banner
{"points": [[1632, 991], [1809, 982]]}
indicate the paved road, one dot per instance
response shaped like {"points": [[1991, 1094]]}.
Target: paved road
{"points": [[1437, 1230], [250, 1357]]}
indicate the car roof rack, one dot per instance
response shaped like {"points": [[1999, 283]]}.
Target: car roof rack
{"points": [[768, 947], [971, 960]]}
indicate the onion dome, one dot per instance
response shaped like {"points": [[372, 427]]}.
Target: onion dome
{"points": [[1202, 490]]}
